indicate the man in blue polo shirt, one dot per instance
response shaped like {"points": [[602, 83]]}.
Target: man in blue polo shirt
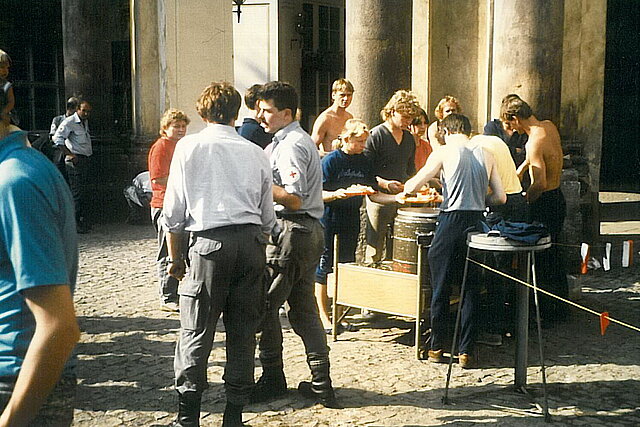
{"points": [[38, 266]]}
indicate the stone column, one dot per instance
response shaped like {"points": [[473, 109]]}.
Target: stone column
{"points": [[378, 53], [87, 57], [147, 36], [581, 127], [527, 54], [420, 51], [90, 29]]}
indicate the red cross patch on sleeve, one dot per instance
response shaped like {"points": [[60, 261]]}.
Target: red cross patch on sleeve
{"points": [[291, 176]]}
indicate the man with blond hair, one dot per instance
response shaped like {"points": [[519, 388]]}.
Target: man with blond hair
{"points": [[446, 106], [390, 149], [330, 122], [219, 190]]}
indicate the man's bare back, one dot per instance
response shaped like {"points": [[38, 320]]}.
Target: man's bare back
{"points": [[544, 157], [328, 126]]}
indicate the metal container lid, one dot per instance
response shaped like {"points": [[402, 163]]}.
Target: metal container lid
{"points": [[497, 243], [419, 212]]}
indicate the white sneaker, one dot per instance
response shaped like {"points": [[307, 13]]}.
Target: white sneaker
{"points": [[169, 306], [368, 316]]}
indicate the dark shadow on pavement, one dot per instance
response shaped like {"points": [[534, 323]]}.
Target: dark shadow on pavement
{"points": [[505, 399]]}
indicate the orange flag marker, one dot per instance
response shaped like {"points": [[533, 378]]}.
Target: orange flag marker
{"points": [[584, 253], [604, 322]]}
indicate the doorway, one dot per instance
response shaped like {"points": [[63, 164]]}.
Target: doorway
{"points": [[31, 33], [322, 32], [620, 165]]}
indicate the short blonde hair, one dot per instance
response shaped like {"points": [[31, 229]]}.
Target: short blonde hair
{"points": [[170, 116], [343, 85], [404, 102], [352, 128], [444, 101], [4, 57]]}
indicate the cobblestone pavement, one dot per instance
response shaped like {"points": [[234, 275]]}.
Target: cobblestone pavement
{"points": [[126, 356]]}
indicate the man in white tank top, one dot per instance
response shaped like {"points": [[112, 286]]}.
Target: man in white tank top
{"points": [[467, 171]]}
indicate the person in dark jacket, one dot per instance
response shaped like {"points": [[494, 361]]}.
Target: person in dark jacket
{"points": [[250, 128], [515, 141], [391, 150]]}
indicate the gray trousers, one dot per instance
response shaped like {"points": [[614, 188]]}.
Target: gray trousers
{"points": [[167, 285], [293, 262], [379, 217], [226, 277]]}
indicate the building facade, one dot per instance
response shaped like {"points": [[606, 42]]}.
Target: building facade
{"points": [[575, 61]]}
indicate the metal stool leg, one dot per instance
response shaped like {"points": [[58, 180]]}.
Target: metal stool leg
{"points": [[418, 336], [545, 408], [522, 330], [334, 308], [445, 399]]}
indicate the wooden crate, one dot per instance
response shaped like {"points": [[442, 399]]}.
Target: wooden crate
{"points": [[377, 290]]}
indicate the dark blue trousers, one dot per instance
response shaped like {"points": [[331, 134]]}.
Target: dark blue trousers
{"points": [[446, 262], [78, 175]]}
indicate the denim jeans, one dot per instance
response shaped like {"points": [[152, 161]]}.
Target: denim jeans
{"points": [[550, 210], [348, 241], [379, 218]]}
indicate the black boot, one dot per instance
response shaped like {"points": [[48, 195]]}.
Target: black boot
{"points": [[232, 415], [319, 389], [272, 384], [188, 409]]}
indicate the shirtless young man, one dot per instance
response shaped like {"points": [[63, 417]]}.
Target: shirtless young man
{"points": [[331, 121], [545, 199]]}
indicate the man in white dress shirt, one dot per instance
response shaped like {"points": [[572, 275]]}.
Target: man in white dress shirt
{"points": [[219, 190]]}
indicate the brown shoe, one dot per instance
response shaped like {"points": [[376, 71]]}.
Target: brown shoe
{"points": [[466, 361], [435, 356]]}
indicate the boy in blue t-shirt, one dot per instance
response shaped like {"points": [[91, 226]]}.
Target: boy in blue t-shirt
{"points": [[38, 267], [342, 170]]}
